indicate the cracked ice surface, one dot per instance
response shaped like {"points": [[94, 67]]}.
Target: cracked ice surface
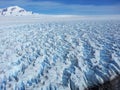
{"points": [[59, 55]]}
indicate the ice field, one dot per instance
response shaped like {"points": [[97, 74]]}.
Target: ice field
{"points": [[58, 55]]}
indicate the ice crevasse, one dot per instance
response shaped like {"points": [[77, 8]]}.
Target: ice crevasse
{"points": [[59, 55]]}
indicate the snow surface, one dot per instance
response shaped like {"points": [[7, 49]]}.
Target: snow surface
{"points": [[59, 54]]}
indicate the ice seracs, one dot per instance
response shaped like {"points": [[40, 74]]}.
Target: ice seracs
{"points": [[59, 55], [14, 11]]}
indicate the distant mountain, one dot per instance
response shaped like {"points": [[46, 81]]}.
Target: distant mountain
{"points": [[14, 11]]}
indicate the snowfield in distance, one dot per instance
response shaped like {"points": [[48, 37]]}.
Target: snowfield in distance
{"points": [[58, 52]]}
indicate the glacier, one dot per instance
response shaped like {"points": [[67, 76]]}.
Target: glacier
{"points": [[59, 55]]}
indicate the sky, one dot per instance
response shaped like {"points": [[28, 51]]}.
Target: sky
{"points": [[76, 7]]}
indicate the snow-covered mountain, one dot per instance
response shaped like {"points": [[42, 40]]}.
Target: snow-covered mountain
{"points": [[14, 11]]}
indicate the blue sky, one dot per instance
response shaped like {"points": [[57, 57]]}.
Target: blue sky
{"points": [[79, 7]]}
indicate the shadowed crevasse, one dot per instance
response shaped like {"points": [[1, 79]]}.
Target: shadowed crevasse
{"points": [[109, 85]]}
